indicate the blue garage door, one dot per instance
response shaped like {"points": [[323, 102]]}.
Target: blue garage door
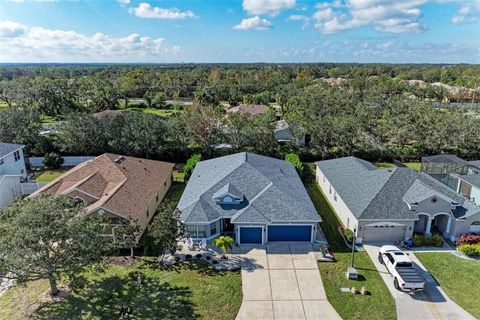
{"points": [[289, 233], [251, 235]]}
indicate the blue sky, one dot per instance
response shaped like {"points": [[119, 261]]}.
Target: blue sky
{"points": [[419, 31]]}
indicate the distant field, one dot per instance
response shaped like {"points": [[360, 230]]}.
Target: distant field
{"points": [[158, 112], [388, 165]]}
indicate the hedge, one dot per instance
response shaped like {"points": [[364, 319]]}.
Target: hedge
{"points": [[419, 240], [470, 249]]}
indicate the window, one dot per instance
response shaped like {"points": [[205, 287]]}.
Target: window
{"points": [[196, 231], [335, 196], [164, 183], [146, 211], [213, 228], [16, 155], [389, 256]]}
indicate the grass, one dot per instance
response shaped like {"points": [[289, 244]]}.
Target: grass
{"points": [[385, 165], [49, 175], [380, 304], [187, 291], [48, 119], [158, 112], [458, 277], [413, 165]]}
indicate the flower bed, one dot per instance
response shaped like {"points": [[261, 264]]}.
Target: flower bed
{"points": [[468, 238], [419, 240], [470, 249]]}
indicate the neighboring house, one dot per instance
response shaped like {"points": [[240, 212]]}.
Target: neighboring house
{"points": [[251, 109], [12, 172], [117, 187], [386, 205], [456, 173], [254, 198], [284, 134]]}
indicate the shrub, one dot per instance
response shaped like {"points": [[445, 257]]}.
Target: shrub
{"points": [[53, 160], [348, 235], [191, 163], [470, 249], [468, 238], [188, 257], [436, 240], [419, 240], [294, 159]]}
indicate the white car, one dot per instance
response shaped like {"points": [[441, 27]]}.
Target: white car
{"points": [[401, 268]]}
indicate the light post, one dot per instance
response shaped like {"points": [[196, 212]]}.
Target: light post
{"points": [[351, 271]]}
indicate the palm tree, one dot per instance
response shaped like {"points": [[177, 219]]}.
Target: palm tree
{"points": [[224, 243]]}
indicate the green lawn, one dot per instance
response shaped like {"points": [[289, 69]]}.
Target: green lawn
{"points": [[49, 175], [3, 104], [385, 165], [413, 165], [48, 119], [458, 277], [379, 305], [187, 291], [158, 112]]}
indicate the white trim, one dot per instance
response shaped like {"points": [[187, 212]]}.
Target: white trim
{"points": [[2, 157], [384, 223], [112, 212], [81, 191]]}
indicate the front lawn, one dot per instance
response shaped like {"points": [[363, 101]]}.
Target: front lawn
{"points": [[459, 278], [49, 175], [187, 291], [380, 304]]}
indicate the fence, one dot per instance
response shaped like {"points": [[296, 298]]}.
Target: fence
{"points": [[67, 161], [30, 187]]}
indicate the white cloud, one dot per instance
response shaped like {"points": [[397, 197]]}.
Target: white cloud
{"points": [[11, 29], [124, 2], [384, 15], [42, 44], [468, 13], [145, 10], [253, 23], [272, 7], [301, 18]]}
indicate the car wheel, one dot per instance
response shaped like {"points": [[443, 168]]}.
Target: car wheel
{"points": [[395, 284], [380, 258]]}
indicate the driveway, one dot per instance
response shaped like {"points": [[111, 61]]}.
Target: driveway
{"points": [[282, 281], [432, 303]]}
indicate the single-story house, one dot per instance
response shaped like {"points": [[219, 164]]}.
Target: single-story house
{"points": [[12, 172], [256, 199], [115, 186], [385, 205]]}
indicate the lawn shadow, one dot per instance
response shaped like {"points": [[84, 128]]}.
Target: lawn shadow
{"points": [[198, 265], [105, 298]]}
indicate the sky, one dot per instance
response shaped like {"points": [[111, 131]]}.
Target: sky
{"points": [[237, 31]]}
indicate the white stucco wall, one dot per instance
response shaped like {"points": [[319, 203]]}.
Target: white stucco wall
{"points": [[346, 216], [475, 195], [12, 167]]}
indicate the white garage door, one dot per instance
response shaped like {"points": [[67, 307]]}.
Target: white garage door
{"points": [[383, 233]]}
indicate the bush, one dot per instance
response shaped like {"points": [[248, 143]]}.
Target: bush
{"points": [[468, 238], [470, 249], [190, 165], [294, 159], [53, 160], [348, 235], [419, 240]]}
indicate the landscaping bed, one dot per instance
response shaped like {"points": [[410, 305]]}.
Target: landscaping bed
{"points": [[189, 290], [459, 277], [378, 305]]}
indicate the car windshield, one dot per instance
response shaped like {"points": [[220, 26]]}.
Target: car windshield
{"points": [[404, 265]]}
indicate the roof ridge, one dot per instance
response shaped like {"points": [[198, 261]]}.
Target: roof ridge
{"points": [[251, 203]]}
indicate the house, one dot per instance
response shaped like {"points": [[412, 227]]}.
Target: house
{"points": [[385, 205], [12, 172], [251, 109], [115, 186], [256, 199], [284, 133]]}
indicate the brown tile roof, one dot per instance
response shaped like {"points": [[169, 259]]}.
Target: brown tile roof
{"points": [[252, 109], [123, 185]]}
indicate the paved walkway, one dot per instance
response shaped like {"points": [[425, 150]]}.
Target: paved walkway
{"points": [[282, 281], [432, 303]]}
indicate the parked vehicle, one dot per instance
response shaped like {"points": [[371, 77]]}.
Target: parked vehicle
{"points": [[401, 268]]}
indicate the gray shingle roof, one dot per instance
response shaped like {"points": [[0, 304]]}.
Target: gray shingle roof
{"points": [[475, 163], [473, 179], [230, 189], [373, 193], [6, 148], [272, 191]]}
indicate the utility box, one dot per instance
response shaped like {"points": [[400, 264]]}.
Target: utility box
{"points": [[352, 273]]}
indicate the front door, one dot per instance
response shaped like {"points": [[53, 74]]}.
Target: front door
{"points": [[227, 226]]}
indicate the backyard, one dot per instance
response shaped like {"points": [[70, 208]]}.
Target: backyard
{"points": [[380, 304], [190, 290], [458, 277], [49, 175]]}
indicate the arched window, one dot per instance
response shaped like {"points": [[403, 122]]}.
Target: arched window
{"points": [[475, 227]]}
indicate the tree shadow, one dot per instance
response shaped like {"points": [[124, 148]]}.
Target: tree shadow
{"points": [[198, 265], [104, 299]]}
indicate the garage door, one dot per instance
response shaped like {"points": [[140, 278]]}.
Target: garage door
{"points": [[383, 234], [289, 233], [251, 235]]}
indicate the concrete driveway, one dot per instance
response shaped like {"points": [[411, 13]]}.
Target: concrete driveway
{"points": [[282, 281], [432, 303]]}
